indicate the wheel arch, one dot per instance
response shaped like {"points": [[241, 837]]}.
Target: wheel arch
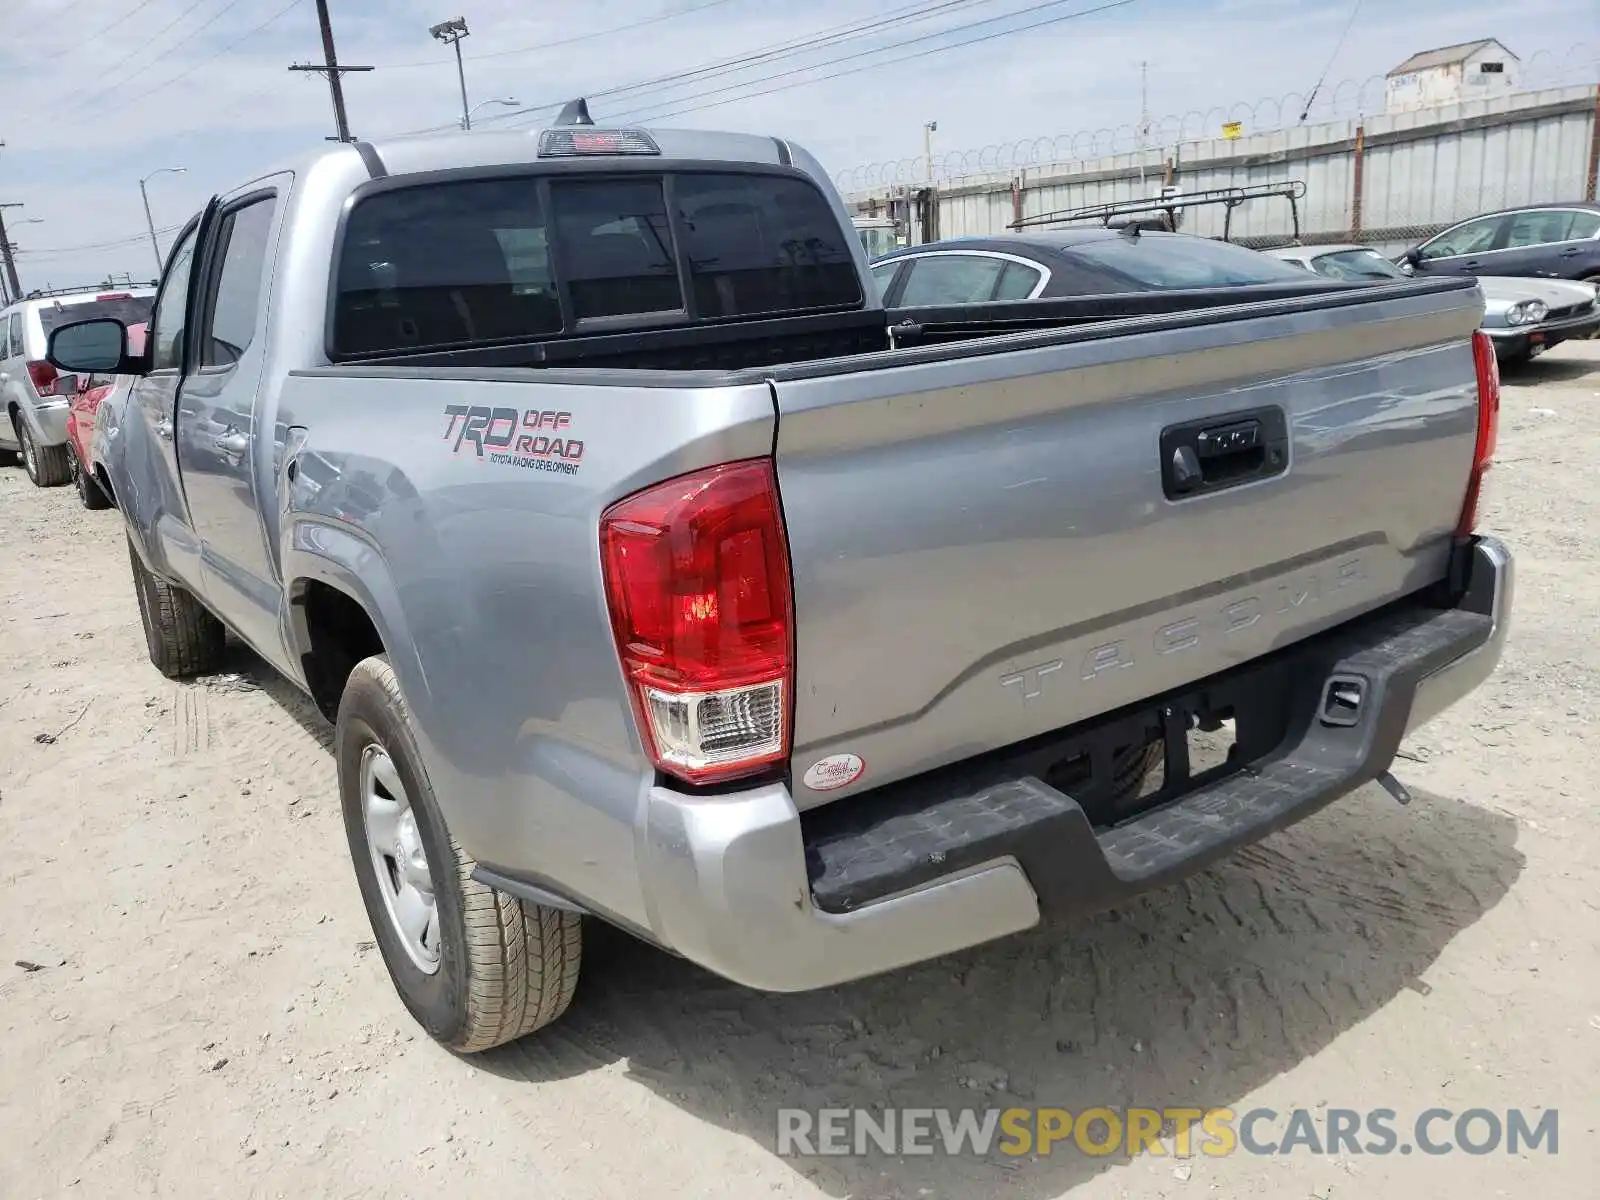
{"points": [[343, 607]]}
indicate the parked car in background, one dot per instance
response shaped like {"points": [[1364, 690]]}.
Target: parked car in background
{"points": [[1066, 262], [1523, 317], [1556, 241], [95, 395], [33, 405]]}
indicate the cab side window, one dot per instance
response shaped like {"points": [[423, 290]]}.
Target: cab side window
{"points": [[234, 302], [12, 339], [172, 308]]}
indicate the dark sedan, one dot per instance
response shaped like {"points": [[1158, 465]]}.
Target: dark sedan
{"points": [[1552, 241], [1069, 262]]}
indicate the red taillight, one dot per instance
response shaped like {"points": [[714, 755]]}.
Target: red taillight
{"points": [[1488, 370], [697, 581], [43, 376]]}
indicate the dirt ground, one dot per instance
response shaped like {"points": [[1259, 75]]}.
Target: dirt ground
{"points": [[209, 1017]]}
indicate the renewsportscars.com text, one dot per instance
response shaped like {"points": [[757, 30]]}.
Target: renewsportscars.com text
{"points": [[1188, 1131]]}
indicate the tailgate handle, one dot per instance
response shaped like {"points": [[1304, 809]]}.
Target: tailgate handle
{"points": [[1204, 456]]}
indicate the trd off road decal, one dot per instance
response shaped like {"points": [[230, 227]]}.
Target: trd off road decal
{"points": [[537, 440]]}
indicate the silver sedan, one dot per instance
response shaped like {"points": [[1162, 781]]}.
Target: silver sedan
{"points": [[1523, 317]]}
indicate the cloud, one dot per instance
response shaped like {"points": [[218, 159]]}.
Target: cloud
{"points": [[96, 93]]}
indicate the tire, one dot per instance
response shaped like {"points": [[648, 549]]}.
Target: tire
{"points": [[183, 638], [47, 466], [500, 967], [90, 493]]}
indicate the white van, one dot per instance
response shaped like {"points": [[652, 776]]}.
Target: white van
{"points": [[33, 407]]}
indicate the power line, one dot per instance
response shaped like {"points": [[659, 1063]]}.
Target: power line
{"points": [[77, 43], [644, 112], [542, 47], [1337, 46], [832, 35], [88, 102], [238, 41], [113, 244]]}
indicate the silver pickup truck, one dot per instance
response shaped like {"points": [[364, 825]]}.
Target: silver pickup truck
{"points": [[651, 571]]}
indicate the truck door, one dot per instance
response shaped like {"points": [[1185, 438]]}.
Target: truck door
{"points": [[152, 409], [218, 442]]}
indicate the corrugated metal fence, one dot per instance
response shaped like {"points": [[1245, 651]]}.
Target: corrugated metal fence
{"points": [[1385, 180]]}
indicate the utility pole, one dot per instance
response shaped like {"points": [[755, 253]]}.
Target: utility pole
{"points": [[929, 128], [1144, 115], [5, 248], [331, 68], [450, 33]]}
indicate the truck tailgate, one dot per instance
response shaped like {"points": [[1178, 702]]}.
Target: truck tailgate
{"points": [[986, 547]]}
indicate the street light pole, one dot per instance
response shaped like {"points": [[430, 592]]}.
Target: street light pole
{"points": [[928, 130], [149, 221], [508, 102], [450, 33]]}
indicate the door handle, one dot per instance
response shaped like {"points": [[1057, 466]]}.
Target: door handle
{"points": [[1571, 252], [232, 444], [164, 429], [1205, 456], [1472, 264]]}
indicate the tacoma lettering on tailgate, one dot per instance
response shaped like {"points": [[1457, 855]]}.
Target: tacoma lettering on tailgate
{"points": [[1286, 597]]}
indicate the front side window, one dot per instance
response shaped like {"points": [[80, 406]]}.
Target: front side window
{"points": [[951, 279], [236, 301], [1474, 237], [171, 314]]}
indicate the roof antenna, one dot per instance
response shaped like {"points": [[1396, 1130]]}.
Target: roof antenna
{"points": [[575, 112]]}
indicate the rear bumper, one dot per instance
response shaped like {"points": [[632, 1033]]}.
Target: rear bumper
{"points": [[746, 887], [49, 420]]}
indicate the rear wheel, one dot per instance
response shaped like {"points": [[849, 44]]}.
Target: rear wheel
{"points": [[47, 466], [182, 636], [90, 492], [476, 968]]}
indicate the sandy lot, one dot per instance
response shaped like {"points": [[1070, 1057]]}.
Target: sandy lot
{"points": [[210, 1018]]}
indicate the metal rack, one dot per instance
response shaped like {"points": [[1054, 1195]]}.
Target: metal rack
{"points": [[1293, 191]]}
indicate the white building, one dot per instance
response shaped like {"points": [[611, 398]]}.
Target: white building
{"points": [[1452, 74]]}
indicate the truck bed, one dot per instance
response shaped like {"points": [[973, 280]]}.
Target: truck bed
{"points": [[984, 548]]}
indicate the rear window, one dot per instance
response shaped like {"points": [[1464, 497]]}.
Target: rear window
{"points": [[475, 261], [130, 310], [1174, 262]]}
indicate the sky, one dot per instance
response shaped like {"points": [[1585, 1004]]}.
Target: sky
{"points": [[95, 94]]}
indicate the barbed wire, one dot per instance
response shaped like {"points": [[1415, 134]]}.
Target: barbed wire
{"points": [[1349, 98]]}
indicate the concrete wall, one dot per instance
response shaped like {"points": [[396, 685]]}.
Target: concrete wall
{"points": [[1420, 170]]}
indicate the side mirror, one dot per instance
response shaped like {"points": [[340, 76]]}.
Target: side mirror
{"points": [[93, 347], [1411, 257], [67, 385]]}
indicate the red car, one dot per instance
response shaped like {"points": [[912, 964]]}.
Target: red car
{"points": [[81, 412]]}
